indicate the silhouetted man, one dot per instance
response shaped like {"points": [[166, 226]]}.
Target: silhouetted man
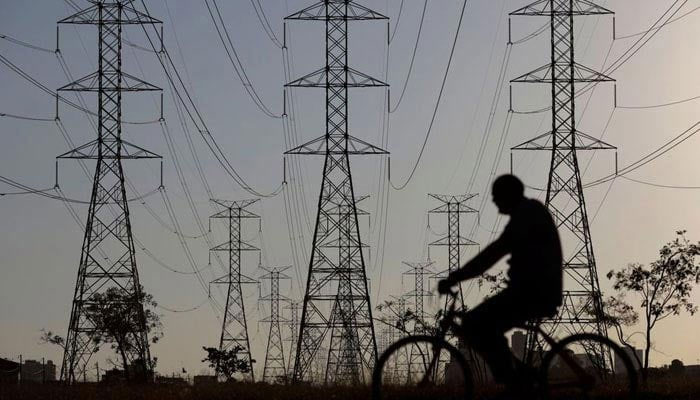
{"points": [[534, 287]]}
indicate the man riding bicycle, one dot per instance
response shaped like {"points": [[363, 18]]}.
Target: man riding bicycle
{"points": [[534, 289]]}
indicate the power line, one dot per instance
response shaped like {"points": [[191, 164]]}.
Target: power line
{"points": [[667, 23], [396, 25], [26, 117], [198, 120], [477, 109], [629, 53], [659, 185], [437, 104], [24, 75], [25, 44], [651, 156], [185, 310], [649, 106], [44, 192], [237, 64], [265, 23], [413, 58]]}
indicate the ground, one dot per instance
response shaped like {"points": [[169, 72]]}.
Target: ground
{"points": [[670, 389]]}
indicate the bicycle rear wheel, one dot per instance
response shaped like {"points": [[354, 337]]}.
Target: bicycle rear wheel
{"points": [[585, 366], [421, 367]]}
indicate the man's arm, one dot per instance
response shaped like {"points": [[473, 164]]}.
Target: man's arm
{"points": [[481, 262]]}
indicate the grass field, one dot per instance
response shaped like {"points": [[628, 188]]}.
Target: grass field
{"points": [[676, 389]]}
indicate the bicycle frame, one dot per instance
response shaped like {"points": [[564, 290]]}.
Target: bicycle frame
{"points": [[448, 322]]}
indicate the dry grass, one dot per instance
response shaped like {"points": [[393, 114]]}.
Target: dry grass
{"points": [[176, 392], [667, 389]]}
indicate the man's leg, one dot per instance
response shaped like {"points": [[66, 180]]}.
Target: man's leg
{"points": [[484, 329]]}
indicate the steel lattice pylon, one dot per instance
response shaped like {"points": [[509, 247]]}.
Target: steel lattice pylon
{"points": [[398, 369], [275, 370], [336, 302], [234, 329], [454, 207], [565, 197], [419, 271], [293, 324], [107, 259]]}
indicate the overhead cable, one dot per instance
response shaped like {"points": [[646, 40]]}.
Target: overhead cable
{"points": [[667, 23], [660, 185], [19, 71], [26, 117], [651, 156], [265, 23], [437, 104], [648, 106], [396, 24], [413, 59], [25, 44], [198, 120], [232, 54]]}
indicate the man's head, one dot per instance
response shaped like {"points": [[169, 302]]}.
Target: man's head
{"points": [[508, 192]]}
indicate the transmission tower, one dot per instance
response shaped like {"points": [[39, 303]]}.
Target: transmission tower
{"points": [[293, 324], [234, 329], [454, 207], [107, 258], [336, 302], [275, 370], [419, 271], [397, 369], [565, 198]]}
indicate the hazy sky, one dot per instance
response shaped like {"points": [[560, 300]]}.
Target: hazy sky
{"points": [[40, 242]]}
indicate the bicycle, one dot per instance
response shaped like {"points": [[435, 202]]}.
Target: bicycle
{"points": [[428, 366]]}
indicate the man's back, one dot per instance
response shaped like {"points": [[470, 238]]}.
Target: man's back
{"points": [[536, 254]]}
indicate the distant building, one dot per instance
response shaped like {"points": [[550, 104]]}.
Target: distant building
{"points": [[517, 344], [36, 371], [171, 380], [692, 371], [635, 355], [9, 371]]}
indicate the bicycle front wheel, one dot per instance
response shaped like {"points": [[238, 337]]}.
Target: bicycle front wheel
{"points": [[421, 367], [585, 366]]}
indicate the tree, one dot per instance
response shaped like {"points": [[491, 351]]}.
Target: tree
{"points": [[118, 321], [664, 286], [493, 282], [226, 362], [676, 368], [617, 313], [48, 337]]}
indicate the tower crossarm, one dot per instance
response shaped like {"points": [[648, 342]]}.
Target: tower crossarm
{"points": [[578, 8], [352, 12], [104, 12], [582, 142], [546, 74]]}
